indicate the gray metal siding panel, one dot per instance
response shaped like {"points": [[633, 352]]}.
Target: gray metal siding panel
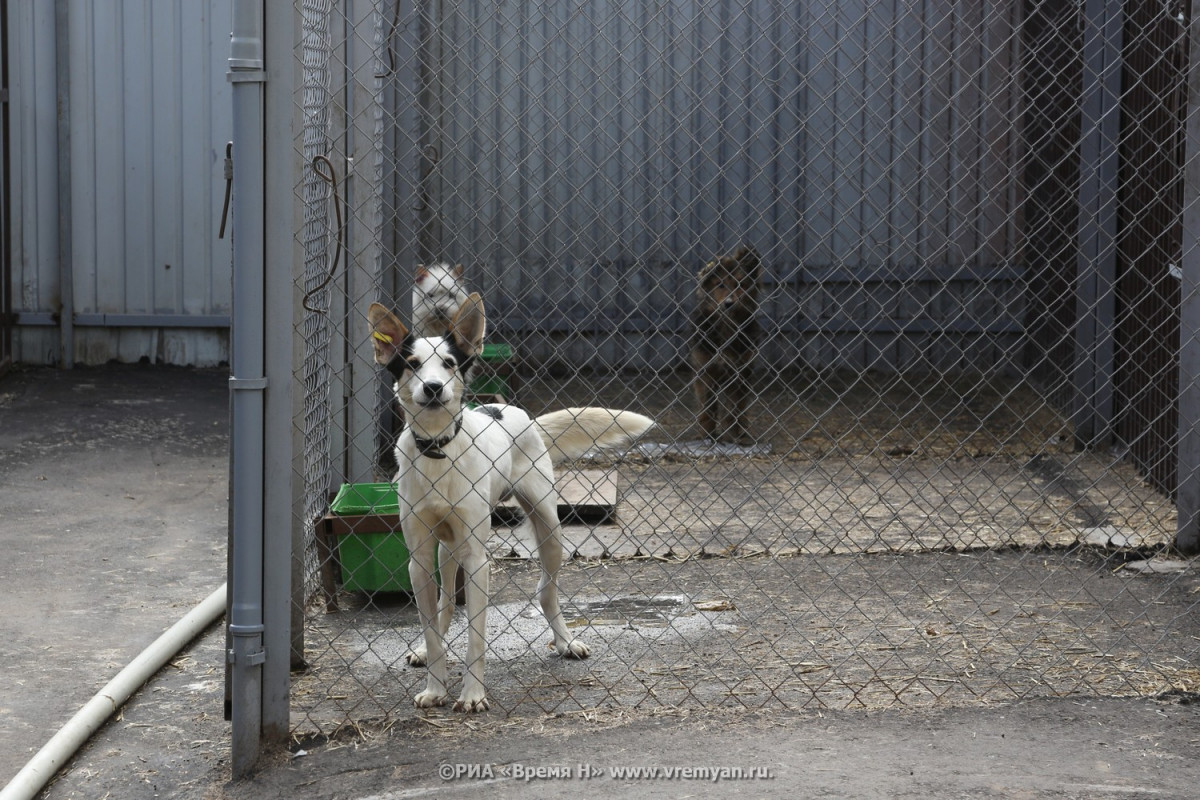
{"points": [[150, 114], [575, 145], [34, 184]]}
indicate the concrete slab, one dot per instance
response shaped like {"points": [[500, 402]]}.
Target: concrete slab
{"points": [[113, 496]]}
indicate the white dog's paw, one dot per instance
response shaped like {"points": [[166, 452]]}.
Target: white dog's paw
{"points": [[472, 704], [417, 657], [575, 649], [430, 699]]}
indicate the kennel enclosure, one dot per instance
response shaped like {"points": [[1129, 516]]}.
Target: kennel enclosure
{"points": [[977, 373]]}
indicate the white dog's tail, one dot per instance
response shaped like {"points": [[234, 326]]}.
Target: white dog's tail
{"points": [[572, 432]]}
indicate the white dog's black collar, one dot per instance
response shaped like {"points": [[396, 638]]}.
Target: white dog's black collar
{"points": [[432, 448]]}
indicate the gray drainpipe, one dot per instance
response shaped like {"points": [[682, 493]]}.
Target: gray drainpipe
{"points": [[247, 386]]}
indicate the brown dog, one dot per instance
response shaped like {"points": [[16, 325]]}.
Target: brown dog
{"points": [[725, 342]]}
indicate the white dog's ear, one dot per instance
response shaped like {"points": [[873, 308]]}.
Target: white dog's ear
{"points": [[458, 272], [387, 333], [469, 325], [421, 273]]}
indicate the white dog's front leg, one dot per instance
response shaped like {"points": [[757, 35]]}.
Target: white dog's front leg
{"points": [[425, 589], [476, 568], [447, 570], [448, 573]]}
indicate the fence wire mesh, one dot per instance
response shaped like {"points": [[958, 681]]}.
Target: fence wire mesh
{"points": [[896, 281]]}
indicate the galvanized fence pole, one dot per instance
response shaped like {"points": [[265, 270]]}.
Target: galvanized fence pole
{"points": [[1187, 497], [364, 222], [283, 634], [1096, 269]]}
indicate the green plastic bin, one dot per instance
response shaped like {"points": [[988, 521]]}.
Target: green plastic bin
{"points": [[494, 378], [372, 560], [366, 498]]}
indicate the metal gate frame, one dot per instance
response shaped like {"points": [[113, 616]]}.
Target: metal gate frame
{"points": [[1188, 447]]}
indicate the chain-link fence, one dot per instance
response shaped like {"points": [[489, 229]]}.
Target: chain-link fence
{"points": [[911, 442]]}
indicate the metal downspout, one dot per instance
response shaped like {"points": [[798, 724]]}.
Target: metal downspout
{"points": [[247, 385]]}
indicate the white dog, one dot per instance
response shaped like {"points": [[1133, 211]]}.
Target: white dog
{"points": [[438, 291], [456, 464]]}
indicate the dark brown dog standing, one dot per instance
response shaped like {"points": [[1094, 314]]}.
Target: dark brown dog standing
{"points": [[725, 342]]}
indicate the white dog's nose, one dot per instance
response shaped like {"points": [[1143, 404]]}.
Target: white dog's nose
{"points": [[432, 390]]}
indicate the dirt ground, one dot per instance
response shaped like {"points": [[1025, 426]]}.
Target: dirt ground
{"points": [[799, 632], [1076, 748], [933, 661], [804, 414], [787, 574], [113, 515], [684, 712]]}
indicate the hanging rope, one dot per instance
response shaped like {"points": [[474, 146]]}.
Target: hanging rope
{"points": [[325, 171], [228, 188]]}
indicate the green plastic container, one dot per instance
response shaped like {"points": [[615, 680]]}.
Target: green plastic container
{"points": [[372, 560], [366, 498], [493, 381], [496, 353]]}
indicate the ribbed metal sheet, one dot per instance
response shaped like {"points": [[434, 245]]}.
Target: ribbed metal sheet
{"points": [[149, 118], [587, 158], [33, 174]]}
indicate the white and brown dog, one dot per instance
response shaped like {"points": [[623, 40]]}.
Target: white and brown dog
{"points": [[438, 291], [455, 465]]}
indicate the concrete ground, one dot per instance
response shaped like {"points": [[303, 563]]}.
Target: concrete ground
{"points": [[113, 499], [112, 490]]}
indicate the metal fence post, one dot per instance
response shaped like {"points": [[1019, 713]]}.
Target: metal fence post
{"points": [[1187, 469], [283, 634], [363, 229], [1096, 270], [247, 385]]}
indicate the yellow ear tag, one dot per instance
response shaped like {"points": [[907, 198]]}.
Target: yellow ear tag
{"points": [[383, 337]]}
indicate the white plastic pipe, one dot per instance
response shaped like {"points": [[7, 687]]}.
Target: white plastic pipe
{"points": [[56, 752]]}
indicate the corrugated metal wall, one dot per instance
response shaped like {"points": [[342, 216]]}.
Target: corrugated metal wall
{"points": [[33, 120], [585, 160], [6, 282], [149, 115]]}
